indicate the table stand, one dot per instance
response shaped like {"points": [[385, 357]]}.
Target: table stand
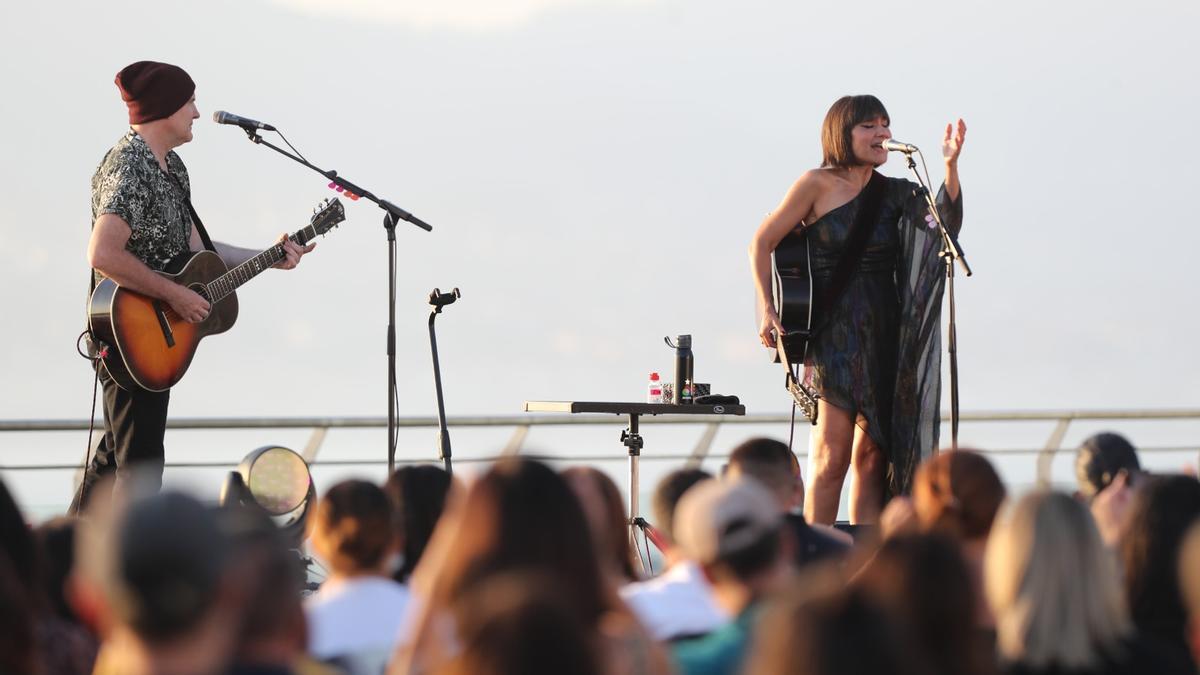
{"points": [[633, 442]]}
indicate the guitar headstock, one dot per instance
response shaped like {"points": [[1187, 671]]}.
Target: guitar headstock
{"points": [[327, 215]]}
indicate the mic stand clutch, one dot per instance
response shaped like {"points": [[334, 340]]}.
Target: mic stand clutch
{"points": [[951, 252], [391, 218]]}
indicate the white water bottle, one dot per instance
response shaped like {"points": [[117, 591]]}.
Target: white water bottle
{"points": [[654, 392]]}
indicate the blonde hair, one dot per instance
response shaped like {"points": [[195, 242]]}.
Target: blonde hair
{"points": [[1053, 585]]}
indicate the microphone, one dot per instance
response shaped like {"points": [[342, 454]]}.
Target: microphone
{"points": [[897, 146], [222, 117]]}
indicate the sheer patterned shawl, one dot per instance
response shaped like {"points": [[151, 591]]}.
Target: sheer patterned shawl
{"points": [[920, 280]]}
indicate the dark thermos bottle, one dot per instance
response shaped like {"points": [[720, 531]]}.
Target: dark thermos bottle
{"points": [[683, 368]]}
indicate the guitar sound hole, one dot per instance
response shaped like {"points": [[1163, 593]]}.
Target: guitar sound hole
{"points": [[201, 290]]}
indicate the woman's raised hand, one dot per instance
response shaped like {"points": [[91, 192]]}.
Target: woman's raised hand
{"points": [[953, 142]]}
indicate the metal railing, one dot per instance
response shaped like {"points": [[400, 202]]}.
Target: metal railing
{"points": [[522, 424]]}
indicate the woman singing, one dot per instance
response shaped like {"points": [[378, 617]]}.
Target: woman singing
{"points": [[875, 359]]}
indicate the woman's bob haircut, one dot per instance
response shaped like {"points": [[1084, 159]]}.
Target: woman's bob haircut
{"points": [[848, 111]]}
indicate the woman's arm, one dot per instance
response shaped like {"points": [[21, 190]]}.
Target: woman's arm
{"points": [[796, 204], [951, 148]]}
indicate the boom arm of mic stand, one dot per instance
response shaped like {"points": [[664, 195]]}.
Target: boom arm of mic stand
{"points": [[396, 212]]}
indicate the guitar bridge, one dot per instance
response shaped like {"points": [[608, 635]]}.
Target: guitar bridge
{"points": [[168, 334]]}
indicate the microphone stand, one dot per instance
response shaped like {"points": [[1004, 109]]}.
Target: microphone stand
{"points": [[951, 252], [392, 216], [438, 300]]}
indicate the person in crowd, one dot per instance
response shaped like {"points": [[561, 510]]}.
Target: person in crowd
{"points": [[272, 638], [957, 493], [772, 464], [520, 625], [820, 628], [56, 541], [1054, 590], [735, 531], [418, 496], [520, 517], [679, 602], [18, 651], [154, 576], [62, 645], [355, 618], [1189, 583], [925, 585], [605, 511], [1100, 459], [1162, 511]]}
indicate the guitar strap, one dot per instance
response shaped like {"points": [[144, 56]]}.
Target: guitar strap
{"points": [[195, 217]]}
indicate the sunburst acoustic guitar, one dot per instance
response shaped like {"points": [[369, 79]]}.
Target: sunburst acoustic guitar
{"points": [[148, 345]]}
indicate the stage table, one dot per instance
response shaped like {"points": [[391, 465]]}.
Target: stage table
{"points": [[632, 439]]}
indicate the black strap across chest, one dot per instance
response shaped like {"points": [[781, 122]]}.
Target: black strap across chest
{"points": [[195, 217], [856, 243]]}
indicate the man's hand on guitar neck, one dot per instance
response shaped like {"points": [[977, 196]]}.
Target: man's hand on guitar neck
{"points": [[293, 251]]}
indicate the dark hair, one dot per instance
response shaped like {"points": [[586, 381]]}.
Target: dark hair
{"points": [[837, 147], [818, 630], [57, 542], [924, 583], [418, 496], [1163, 509], [518, 623], [957, 493], [746, 562], [768, 461], [521, 516], [18, 644], [171, 561], [612, 539], [356, 520], [667, 494], [18, 543], [273, 576], [1099, 460]]}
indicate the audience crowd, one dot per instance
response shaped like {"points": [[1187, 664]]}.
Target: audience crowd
{"points": [[527, 570]]}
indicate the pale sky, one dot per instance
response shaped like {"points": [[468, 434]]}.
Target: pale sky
{"points": [[593, 171]]}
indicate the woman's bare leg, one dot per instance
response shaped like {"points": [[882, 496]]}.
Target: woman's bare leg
{"points": [[828, 461], [866, 477]]}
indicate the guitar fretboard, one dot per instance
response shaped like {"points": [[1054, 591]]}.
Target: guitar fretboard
{"points": [[229, 282]]}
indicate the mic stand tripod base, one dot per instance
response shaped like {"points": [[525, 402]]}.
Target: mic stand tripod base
{"points": [[632, 440]]}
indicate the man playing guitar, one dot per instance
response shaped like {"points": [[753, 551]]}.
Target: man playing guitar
{"points": [[142, 221]]}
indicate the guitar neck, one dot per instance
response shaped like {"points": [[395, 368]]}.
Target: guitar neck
{"points": [[229, 282]]}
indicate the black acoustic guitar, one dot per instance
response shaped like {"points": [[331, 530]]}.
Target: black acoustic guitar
{"points": [[149, 346], [793, 290]]}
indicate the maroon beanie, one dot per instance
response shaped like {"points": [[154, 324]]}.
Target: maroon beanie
{"points": [[153, 90]]}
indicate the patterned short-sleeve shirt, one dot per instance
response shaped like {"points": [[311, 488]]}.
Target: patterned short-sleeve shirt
{"points": [[130, 183]]}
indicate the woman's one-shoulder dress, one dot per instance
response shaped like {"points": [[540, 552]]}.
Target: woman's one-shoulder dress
{"points": [[877, 352]]}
